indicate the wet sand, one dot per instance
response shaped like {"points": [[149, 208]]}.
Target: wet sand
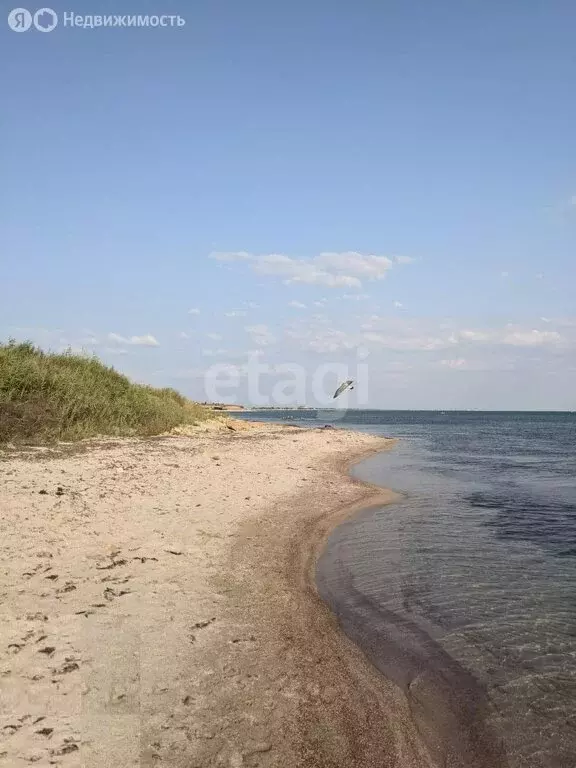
{"points": [[159, 607]]}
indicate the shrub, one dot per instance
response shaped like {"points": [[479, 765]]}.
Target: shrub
{"points": [[46, 397]]}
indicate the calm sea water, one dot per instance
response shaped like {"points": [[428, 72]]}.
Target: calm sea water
{"points": [[479, 557]]}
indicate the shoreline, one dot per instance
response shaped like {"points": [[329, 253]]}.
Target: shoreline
{"points": [[436, 707], [364, 720], [448, 707], [160, 606]]}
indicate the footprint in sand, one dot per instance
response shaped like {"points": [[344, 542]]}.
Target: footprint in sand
{"points": [[70, 665]]}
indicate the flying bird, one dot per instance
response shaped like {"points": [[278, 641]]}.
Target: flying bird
{"points": [[347, 384]]}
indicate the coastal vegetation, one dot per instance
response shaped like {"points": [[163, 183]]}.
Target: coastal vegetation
{"points": [[45, 397]]}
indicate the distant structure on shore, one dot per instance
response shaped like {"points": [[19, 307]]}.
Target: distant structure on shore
{"points": [[281, 408], [236, 407], [223, 407]]}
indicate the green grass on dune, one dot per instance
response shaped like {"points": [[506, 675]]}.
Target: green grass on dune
{"points": [[46, 397]]}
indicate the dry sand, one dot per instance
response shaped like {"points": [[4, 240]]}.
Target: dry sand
{"points": [[158, 607]]}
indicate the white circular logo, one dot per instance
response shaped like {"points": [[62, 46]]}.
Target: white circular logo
{"points": [[45, 20], [19, 20]]}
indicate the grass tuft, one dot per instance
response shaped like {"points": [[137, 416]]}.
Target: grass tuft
{"points": [[45, 397]]}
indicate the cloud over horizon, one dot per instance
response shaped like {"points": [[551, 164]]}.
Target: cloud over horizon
{"points": [[328, 268], [138, 341]]}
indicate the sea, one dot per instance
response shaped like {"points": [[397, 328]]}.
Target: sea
{"points": [[464, 590]]}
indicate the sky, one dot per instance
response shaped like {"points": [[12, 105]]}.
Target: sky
{"points": [[275, 196]]}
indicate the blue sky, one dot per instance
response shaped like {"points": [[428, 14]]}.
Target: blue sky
{"points": [[406, 171]]}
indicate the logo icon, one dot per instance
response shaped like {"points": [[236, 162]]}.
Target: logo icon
{"points": [[45, 20], [19, 20]]}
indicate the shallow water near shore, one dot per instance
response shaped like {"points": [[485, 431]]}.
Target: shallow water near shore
{"points": [[463, 591]]}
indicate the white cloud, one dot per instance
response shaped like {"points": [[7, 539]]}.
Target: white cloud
{"points": [[144, 341], [470, 336], [352, 263], [408, 342], [324, 340], [214, 336], [572, 201], [504, 274], [297, 304], [356, 296], [510, 335], [459, 362], [397, 304], [184, 335], [117, 338], [137, 341], [300, 271], [194, 311], [404, 260], [260, 335], [329, 268], [251, 304], [532, 338], [395, 332], [236, 313]]}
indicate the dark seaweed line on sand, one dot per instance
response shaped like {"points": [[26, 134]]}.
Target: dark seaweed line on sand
{"points": [[448, 705]]}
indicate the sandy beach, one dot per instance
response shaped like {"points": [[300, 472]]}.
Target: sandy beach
{"points": [[159, 607]]}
